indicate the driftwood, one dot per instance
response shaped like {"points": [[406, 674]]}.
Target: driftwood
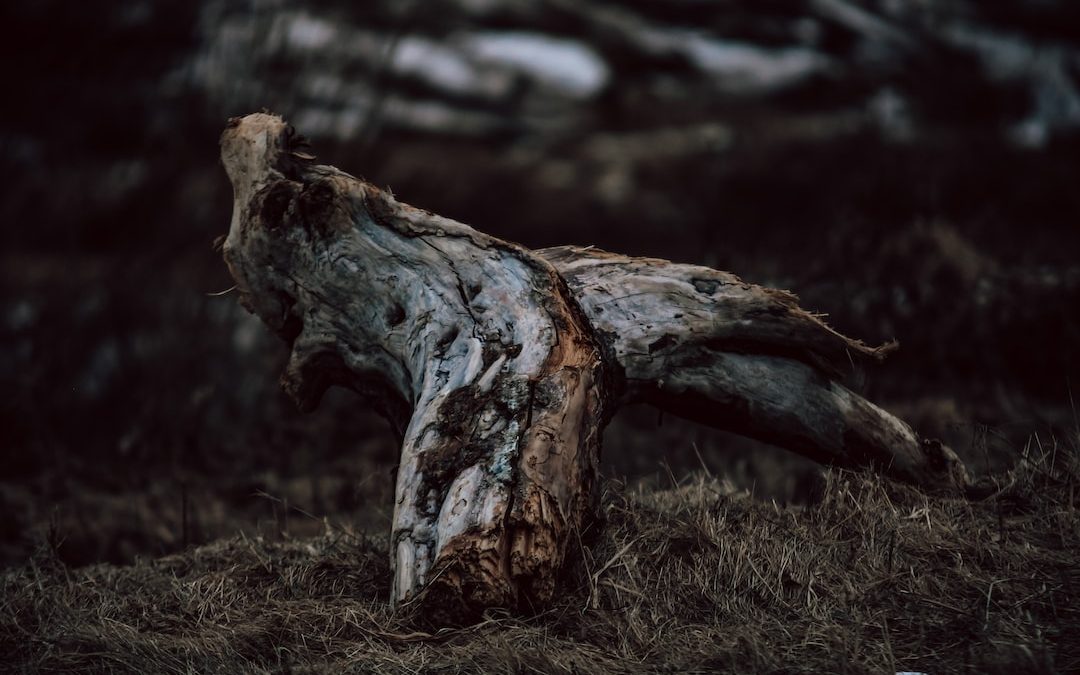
{"points": [[499, 366]]}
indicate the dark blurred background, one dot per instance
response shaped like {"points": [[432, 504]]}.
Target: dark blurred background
{"points": [[909, 168]]}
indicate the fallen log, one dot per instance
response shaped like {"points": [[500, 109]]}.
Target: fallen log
{"points": [[499, 366]]}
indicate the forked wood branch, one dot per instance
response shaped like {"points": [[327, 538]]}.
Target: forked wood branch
{"points": [[500, 366]]}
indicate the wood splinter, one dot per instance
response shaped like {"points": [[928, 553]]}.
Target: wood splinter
{"points": [[501, 365]]}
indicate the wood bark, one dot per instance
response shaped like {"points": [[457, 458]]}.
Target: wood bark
{"points": [[499, 366]]}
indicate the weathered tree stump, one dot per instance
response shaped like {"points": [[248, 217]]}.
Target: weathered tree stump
{"points": [[500, 366]]}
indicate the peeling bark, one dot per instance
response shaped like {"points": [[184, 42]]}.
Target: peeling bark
{"points": [[500, 365]]}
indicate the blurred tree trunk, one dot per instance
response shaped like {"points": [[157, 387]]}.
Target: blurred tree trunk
{"points": [[501, 365]]}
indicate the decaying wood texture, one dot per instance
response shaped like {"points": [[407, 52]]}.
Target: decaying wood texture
{"points": [[499, 366]]}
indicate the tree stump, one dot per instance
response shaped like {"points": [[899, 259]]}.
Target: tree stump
{"points": [[499, 366]]}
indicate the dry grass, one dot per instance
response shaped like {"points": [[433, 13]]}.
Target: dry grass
{"points": [[875, 578]]}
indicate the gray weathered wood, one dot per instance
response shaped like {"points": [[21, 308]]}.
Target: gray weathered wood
{"points": [[500, 365]]}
